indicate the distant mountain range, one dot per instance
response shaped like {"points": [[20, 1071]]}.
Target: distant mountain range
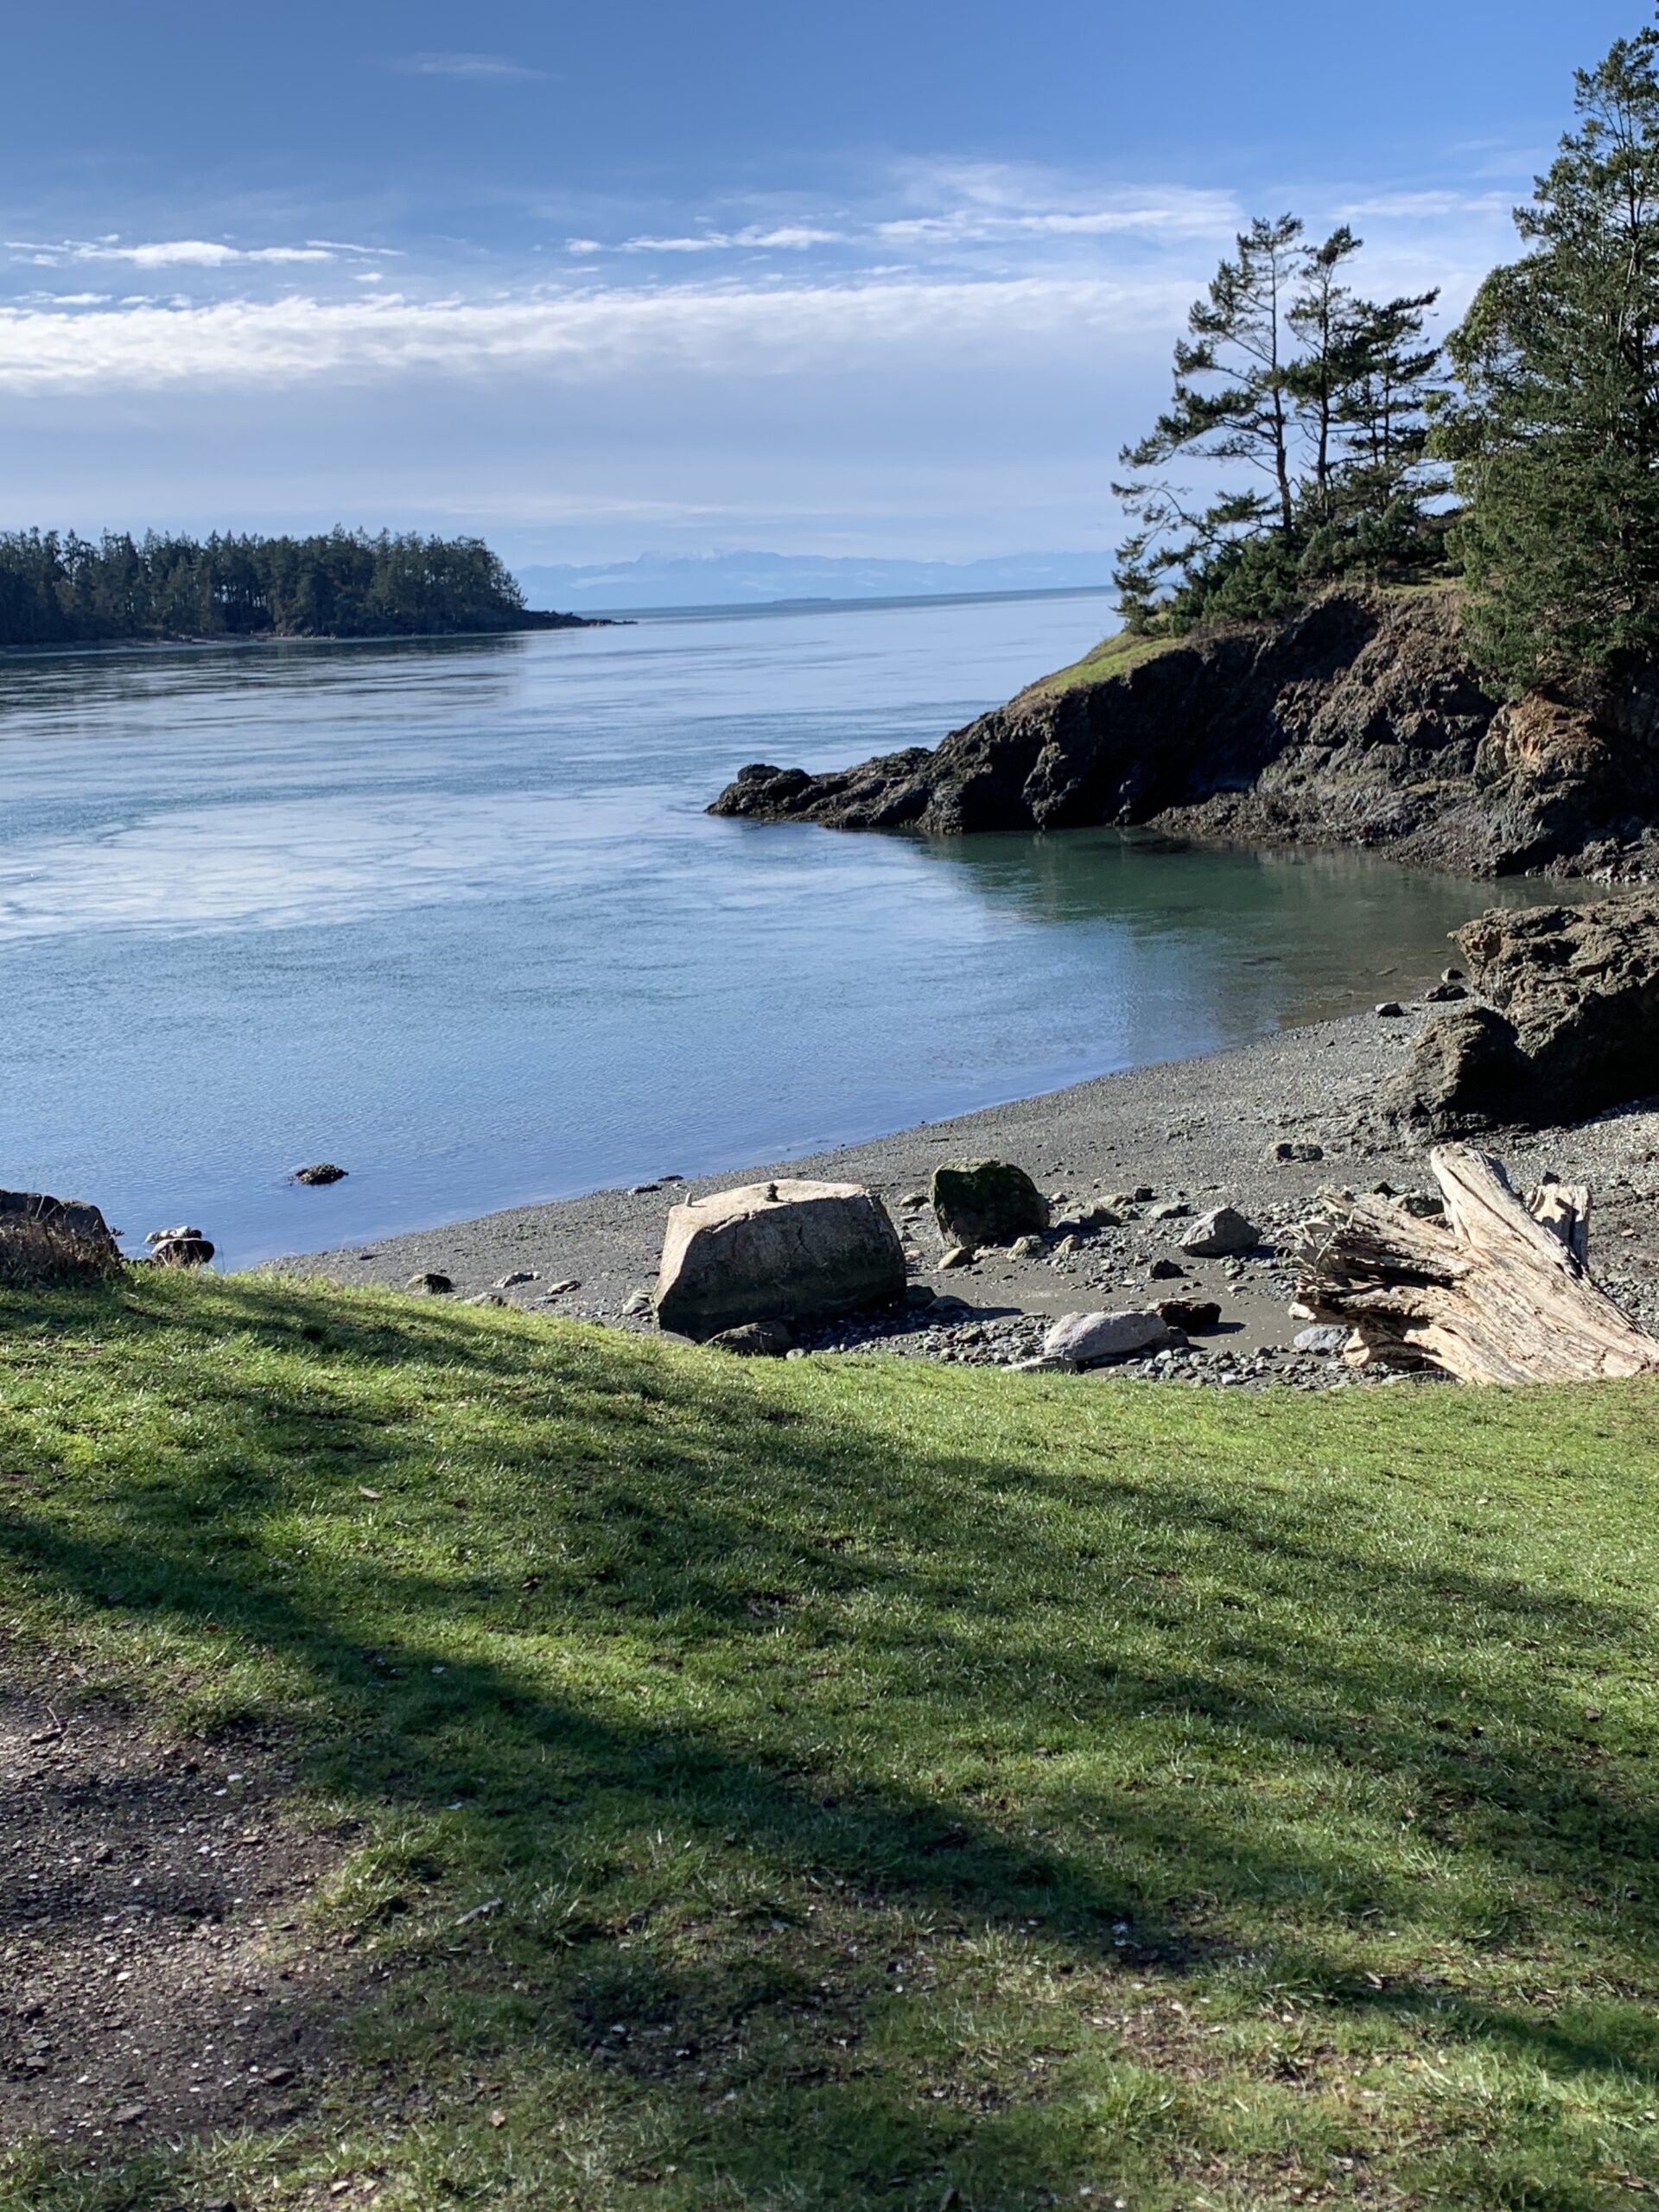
{"points": [[756, 579]]}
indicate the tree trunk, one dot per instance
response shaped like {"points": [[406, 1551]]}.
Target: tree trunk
{"points": [[1499, 1292]]}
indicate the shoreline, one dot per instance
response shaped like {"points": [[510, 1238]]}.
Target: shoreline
{"points": [[185, 642], [1197, 1133]]}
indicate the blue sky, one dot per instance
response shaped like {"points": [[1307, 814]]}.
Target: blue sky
{"points": [[887, 278]]}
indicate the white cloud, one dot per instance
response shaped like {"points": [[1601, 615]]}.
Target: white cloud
{"points": [[574, 336], [1427, 207], [167, 253], [469, 68]]}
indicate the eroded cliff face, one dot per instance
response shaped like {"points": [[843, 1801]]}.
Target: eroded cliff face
{"points": [[1359, 721]]}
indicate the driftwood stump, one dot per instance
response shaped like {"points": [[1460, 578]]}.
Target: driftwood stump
{"points": [[1498, 1292]]}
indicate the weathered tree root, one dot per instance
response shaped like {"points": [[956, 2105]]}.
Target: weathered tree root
{"points": [[1499, 1292]]}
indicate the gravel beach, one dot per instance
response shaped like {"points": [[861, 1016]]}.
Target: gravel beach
{"points": [[1164, 1142]]}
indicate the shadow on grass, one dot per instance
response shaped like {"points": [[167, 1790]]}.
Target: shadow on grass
{"points": [[826, 1653]]}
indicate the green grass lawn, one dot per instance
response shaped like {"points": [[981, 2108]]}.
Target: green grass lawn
{"points": [[904, 1786]]}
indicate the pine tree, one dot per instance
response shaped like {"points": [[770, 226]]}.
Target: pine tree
{"points": [[1556, 438], [1286, 373]]}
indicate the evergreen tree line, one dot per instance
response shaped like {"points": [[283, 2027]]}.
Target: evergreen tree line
{"points": [[1341, 438], [65, 590]]}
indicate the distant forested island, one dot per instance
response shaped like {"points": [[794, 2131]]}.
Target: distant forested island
{"points": [[60, 589]]}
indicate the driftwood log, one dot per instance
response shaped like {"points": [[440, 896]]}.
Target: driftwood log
{"points": [[1498, 1292]]}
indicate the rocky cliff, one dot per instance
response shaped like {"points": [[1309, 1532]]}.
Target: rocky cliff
{"points": [[1360, 721]]}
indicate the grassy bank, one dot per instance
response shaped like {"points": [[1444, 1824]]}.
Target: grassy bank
{"points": [[897, 1785]]}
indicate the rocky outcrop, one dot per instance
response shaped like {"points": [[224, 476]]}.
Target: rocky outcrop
{"points": [[783, 1251], [1358, 721], [1580, 984], [1572, 1028]]}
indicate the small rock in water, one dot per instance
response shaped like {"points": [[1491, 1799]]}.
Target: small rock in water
{"points": [[755, 1340], [1389, 1010], [1323, 1339], [166, 1235], [324, 1171], [431, 1283], [519, 1275]]}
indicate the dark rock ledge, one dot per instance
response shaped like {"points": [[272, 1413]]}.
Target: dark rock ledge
{"points": [[1360, 721]]}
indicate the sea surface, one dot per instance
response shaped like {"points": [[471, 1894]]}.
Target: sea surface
{"points": [[451, 915]]}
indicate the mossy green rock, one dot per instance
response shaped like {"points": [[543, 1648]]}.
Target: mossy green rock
{"points": [[986, 1201]]}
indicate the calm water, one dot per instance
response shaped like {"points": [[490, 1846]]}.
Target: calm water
{"points": [[452, 916]]}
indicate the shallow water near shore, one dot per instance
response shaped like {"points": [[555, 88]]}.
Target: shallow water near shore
{"points": [[450, 914]]}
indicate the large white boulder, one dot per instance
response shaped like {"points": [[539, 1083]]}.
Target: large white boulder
{"points": [[783, 1251], [1091, 1339]]}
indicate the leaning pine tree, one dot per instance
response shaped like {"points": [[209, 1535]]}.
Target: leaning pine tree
{"points": [[1556, 437]]}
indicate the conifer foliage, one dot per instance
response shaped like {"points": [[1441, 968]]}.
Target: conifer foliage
{"points": [[1555, 433], [62, 589], [1306, 407]]}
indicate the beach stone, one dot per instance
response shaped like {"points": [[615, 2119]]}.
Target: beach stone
{"points": [[182, 1252], [1389, 1010], [1466, 1073], [1028, 1247], [1219, 1234], [921, 1296], [1092, 1339], [780, 1251], [165, 1236], [1282, 1154], [1171, 1209], [754, 1340], [1165, 1271], [1323, 1339], [324, 1171], [986, 1201], [1445, 993], [431, 1284], [519, 1275], [638, 1302], [958, 1256], [1102, 1217], [1192, 1316]]}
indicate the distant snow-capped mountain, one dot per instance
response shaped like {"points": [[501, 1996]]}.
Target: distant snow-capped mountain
{"points": [[755, 578]]}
